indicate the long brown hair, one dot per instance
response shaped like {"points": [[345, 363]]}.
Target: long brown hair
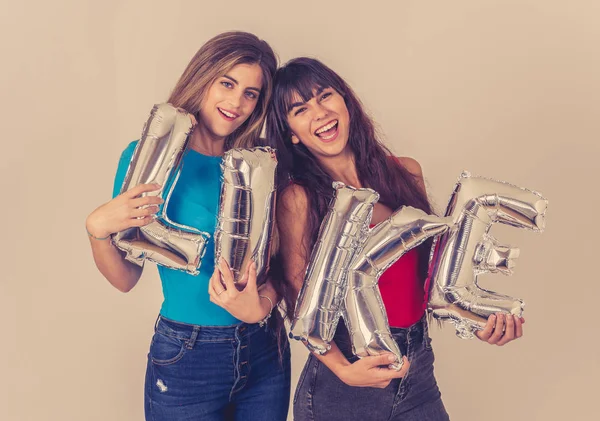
{"points": [[374, 163], [214, 59]]}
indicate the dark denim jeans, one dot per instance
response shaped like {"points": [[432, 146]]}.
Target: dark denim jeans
{"points": [[322, 396], [216, 373]]}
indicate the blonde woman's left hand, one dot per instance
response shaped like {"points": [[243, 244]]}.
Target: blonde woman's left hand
{"points": [[246, 304], [501, 329]]}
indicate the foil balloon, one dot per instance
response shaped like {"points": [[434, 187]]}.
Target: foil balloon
{"points": [[468, 250], [319, 303], [363, 310], [246, 210], [157, 159]]}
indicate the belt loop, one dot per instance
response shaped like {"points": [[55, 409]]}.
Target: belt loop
{"points": [[156, 322], [190, 343]]}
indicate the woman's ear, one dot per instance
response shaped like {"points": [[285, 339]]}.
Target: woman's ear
{"points": [[295, 139]]}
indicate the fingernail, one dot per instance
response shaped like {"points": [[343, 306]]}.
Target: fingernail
{"points": [[391, 357]]}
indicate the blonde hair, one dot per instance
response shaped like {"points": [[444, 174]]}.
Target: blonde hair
{"points": [[214, 59]]}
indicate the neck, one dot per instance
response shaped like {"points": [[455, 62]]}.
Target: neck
{"points": [[342, 168], [205, 142]]}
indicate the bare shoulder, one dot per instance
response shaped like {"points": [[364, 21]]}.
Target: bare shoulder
{"points": [[412, 165]]}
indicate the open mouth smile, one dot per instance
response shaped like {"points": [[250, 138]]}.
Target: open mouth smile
{"points": [[328, 132], [227, 115]]}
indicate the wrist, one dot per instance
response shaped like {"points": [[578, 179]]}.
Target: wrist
{"points": [[267, 306], [340, 369]]}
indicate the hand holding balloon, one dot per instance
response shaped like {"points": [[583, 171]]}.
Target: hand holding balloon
{"points": [[127, 210], [157, 160], [246, 304], [468, 250], [501, 329], [373, 371]]}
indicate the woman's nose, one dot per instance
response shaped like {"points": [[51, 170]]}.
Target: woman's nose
{"points": [[235, 99], [320, 112]]}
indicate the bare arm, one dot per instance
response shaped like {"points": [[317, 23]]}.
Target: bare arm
{"points": [[124, 211], [292, 219]]}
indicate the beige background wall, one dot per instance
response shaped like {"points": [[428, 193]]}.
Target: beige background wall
{"points": [[506, 89]]}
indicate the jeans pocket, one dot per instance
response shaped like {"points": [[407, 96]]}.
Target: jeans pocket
{"points": [[427, 343], [301, 379], [426, 338], [166, 350]]}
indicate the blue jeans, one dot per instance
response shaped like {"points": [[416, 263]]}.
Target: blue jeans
{"points": [[216, 373], [321, 395]]}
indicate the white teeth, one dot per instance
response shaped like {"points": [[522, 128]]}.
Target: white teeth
{"points": [[327, 127], [230, 115]]}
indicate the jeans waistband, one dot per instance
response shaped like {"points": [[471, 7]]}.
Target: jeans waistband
{"points": [[402, 335], [417, 330], [186, 331]]}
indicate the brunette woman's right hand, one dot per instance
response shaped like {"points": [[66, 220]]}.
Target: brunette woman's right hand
{"points": [[372, 371], [127, 210]]}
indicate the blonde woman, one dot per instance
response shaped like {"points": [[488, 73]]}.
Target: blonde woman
{"points": [[209, 359]]}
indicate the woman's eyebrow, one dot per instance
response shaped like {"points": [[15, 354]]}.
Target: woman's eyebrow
{"points": [[294, 105], [237, 83]]}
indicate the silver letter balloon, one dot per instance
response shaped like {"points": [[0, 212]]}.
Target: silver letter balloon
{"points": [[363, 311], [345, 268], [157, 159], [246, 210], [468, 250], [318, 307]]}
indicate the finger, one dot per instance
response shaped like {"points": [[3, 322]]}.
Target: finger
{"points": [[243, 281], [146, 200], [215, 287], [140, 222], [214, 281], [251, 276], [390, 373], [142, 188], [405, 366], [509, 331], [150, 210], [523, 320], [485, 334], [396, 374], [226, 275], [498, 329], [518, 326], [379, 360]]}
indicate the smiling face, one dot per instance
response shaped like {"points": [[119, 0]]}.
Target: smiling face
{"points": [[322, 123], [230, 100]]}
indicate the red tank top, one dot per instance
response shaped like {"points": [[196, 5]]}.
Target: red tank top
{"points": [[402, 291]]}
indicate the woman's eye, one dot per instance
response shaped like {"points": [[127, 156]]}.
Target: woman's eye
{"points": [[299, 110], [251, 95], [325, 95], [227, 84]]}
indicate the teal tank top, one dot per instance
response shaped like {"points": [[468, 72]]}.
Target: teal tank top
{"points": [[194, 202]]}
